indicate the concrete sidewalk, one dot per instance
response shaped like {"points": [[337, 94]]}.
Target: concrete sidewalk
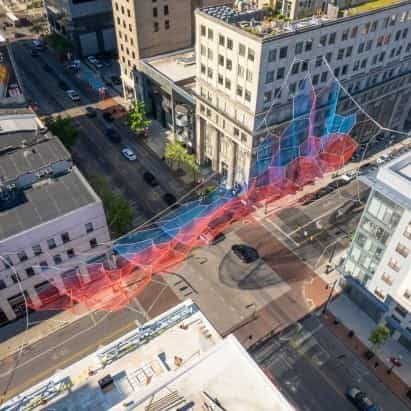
{"points": [[352, 318]]}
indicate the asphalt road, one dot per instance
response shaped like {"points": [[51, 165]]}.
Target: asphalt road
{"points": [[94, 153], [314, 370]]}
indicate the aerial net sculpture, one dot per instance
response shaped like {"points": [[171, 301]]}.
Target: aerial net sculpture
{"points": [[316, 142]]}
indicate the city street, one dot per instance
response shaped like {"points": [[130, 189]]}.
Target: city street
{"points": [[314, 369], [94, 153]]}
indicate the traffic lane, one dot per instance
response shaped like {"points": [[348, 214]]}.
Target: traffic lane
{"points": [[125, 173], [63, 348]]}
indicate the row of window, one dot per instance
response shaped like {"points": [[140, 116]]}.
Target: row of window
{"points": [[57, 259], [37, 250]]}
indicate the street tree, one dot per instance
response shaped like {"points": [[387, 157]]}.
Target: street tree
{"points": [[175, 153], [137, 119], [379, 336], [59, 44], [64, 129], [192, 164], [118, 211]]}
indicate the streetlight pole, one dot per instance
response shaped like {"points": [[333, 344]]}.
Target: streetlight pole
{"points": [[329, 296]]}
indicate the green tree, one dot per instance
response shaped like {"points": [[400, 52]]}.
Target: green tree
{"points": [[64, 129], [175, 152], [379, 336], [59, 44], [118, 212], [191, 161], [137, 119]]}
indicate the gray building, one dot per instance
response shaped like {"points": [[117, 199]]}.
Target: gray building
{"points": [[87, 23], [51, 220]]}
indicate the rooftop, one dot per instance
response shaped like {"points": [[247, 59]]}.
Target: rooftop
{"points": [[38, 181], [393, 180], [264, 22], [175, 361]]}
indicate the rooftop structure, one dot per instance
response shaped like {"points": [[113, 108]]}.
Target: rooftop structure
{"points": [[175, 361], [264, 23]]}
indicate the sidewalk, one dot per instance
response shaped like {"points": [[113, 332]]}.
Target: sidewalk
{"points": [[352, 318]]}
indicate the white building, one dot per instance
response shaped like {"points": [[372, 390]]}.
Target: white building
{"points": [[177, 361], [49, 214], [250, 65], [380, 254]]}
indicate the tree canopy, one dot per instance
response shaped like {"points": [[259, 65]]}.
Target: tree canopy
{"points": [[177, 153], [64, 129], [380, 335], [137, 119]]}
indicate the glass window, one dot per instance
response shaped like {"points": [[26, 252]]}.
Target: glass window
{"points": [[229, 64], [37, 249], [93, 243], [267, 97], [65, 237], [57, 259], [210, 34], [155, 12], [280, 73], [269, 77], [228, 84], [167, 24], [295, 68], [156, 26], [298, 47], [340, 54], [249, 75], [283, 52], [229, 44], [247, 95], [241, 50], [272, 55], [22, 256], [203, 30], [308, 45], [30, 272], [51, 243], [239, 91], [221, 40], [251, 54], [71, 253], [166, 10], [331, 39]]}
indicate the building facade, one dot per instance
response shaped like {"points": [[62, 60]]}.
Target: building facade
{"points": [[250, 67], [88, 24], [379, 258], [145, 29], [50, 217]]}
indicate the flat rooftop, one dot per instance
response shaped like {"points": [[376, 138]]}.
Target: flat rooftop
{"points": [[38, 181], [263, 23], [177, 66], [393, 180], [176, 361]]}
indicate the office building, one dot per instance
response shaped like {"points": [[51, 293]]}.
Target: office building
{"points": [[378, 265], [249, 66], [49, 214], [176, 361], [88, 24], [148, 28]]}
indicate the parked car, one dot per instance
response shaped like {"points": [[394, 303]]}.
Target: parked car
{"points": [[38, 44], [63, 85], [73, 95], [245, 253], [150, 179], [91, 112], [34, 52], [108, 116], [170, 199], [98, 64], [360, 400], [112, 135], [129, 154], [91, 59]]}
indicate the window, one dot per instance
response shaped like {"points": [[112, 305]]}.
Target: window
{"points": [[405, 33], [402, 250], [380, 41], [229, 64], [221, 40], [344, 69], [402, 312], [356, 65], [379, 293], [37, 249], [203, 30], [332, 37], [315, 79], [407, 294], [229, 44], [344, 35], [374, 25], [2, 285], [364, 64], [386, 279], [368, 45], [308, 45], [93, 243], [128, 13], [239, 91], [240, 71], [167, 24], [166, 10], [251, 54], [44, 265], [247, 96], [295, 68], [210, 54], [228, 84], [220, 60], [407, 232], [272, 55], [283, 52], [328, 57], [318, 61], [249, 75], [397, 35], [15, 278], [336, 71], [292, 88], [71, 253], [220, 79], [348, 52], [57, 259], [323, 40], [65, 238], [156, 26], [324, 76], [22, 256], [280, 73], [269, 77], [394, 264], [340, 54], [210, 34], [155, 12], [241, 50], [30, 272], [304, 66], [210, 72], [298, 47], [267, 97], [354, 32], [361, 47], [51, 243]]}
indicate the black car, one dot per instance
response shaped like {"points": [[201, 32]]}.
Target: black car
{"points": [[112, 135], [360, 400], [150, 179], [47, 68], [170, 199], [34, 52], [63, 85], [245, 253], [108, 116], [91, 112]]}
